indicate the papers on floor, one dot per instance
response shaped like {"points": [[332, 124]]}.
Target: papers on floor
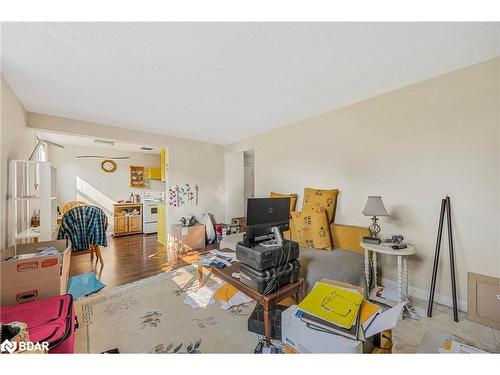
{"points": [[458, 348], [229, 296], [226, 294], [238, 299], [202, 297]]}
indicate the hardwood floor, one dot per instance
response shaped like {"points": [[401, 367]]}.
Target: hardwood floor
{"points": [[132, 258]]}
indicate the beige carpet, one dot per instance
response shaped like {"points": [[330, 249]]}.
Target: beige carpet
{"points": [[150, 316]]}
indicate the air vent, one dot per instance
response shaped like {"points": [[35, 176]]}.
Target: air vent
{"points": [[111, 143], [147, 148]]}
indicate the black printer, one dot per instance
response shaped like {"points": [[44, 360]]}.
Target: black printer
{"points": [[265, 254], [268, 262]]}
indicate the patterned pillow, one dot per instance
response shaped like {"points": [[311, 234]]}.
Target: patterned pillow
{"points": [[311, 229], [293, 199], [315, 199]]}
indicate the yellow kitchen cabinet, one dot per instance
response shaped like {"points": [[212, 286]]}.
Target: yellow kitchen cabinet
{"points": [[162, 224], [154, 173], [164, 164]]}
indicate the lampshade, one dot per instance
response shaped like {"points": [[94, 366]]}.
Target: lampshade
{"points": [[375, 207]]}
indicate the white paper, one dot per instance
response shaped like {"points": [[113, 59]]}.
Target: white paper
{"points": [[390, 294], [202, 297], [235, 300], [459, 348], [387, 320]]}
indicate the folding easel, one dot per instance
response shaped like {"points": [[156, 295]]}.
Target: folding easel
{"points": [[445, 208]]}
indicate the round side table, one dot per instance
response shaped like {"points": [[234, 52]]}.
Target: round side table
{"points": [[401, 255]]}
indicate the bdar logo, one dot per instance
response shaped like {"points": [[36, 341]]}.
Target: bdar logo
{"points": [[8, 346]]}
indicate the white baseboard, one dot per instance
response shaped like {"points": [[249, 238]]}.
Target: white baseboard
{"points": [[423, 295]]}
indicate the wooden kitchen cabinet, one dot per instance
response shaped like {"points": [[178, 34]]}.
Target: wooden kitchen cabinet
{"points": [[121, 225], [127, 219], [135, 224]]}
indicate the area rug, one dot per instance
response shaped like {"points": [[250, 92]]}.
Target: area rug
{"points": [[150, 316]]}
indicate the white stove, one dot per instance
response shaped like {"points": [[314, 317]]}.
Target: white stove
{"points": [[150, 201]]}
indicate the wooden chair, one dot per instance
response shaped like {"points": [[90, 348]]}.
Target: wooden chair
{"points": [[93, 249], [71, 205]]}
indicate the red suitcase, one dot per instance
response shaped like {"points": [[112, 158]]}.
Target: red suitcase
{"points": [[49, 320]]}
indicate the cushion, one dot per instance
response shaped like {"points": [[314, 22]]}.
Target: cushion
{"points": [[312, 229], [293, 198], [315, 199]]}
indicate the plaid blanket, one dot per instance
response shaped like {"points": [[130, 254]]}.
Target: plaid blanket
{"points": [[84, 226]]}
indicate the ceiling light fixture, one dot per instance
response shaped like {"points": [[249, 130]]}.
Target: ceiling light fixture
{"points": [[102, 157], [111, 143]]}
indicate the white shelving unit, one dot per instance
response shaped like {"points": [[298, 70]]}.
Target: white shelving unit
{"points": [[34, 187]]}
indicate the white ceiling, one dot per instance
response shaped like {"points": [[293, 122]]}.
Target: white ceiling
{"points": [[74, 140], [222, 82]]}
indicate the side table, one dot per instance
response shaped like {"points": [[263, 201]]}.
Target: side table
{"points": [[401, 255]]}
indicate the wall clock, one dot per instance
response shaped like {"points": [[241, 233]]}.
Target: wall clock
{"points": [[108, 166]]}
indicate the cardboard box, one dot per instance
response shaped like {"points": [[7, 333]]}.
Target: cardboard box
{"points": [[188, 238], [24, 280]]}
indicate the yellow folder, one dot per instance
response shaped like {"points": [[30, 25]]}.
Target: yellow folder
{"points": [[333, 304], [368, 309]]}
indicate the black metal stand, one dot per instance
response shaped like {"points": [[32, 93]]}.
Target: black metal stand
{"points": [[445, 208]]}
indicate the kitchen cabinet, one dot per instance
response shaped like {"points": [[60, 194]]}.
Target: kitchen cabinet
{"points": [[121, 225], [164, 164], [154, 173], [135, 223], [127, 219], [162, 224]]}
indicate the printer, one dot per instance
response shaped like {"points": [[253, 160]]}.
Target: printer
{"points": [[297, 334], [267, 261]]}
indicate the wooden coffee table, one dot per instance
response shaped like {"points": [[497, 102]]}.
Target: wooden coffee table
{"points": [[267, 301]]}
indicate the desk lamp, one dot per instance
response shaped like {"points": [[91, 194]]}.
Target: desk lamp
{"points": [[374, 207]]}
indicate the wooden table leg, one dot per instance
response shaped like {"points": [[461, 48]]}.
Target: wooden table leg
{"points": [[98, 253], [267, 324]]}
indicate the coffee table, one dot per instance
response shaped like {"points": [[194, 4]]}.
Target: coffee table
{"points": [[267, 301]]}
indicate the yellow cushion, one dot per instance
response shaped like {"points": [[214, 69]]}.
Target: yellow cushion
{"points": [[315, 199], [312, 229], [293, 198], [348, 237]]}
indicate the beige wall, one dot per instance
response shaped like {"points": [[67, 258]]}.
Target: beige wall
{"points": [[190, 161], [83, 179], [413, 146], [17, 142]]}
